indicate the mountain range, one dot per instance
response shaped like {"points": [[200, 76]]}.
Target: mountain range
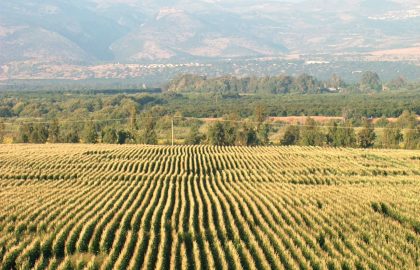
{"points": [[84, 32]]}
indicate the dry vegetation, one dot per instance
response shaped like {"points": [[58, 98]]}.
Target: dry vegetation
{"points": [[202, 207]]}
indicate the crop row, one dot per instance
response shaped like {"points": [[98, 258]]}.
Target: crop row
{"points": [[150, 207]]}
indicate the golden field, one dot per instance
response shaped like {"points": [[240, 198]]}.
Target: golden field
{"points": [[204, 207]]}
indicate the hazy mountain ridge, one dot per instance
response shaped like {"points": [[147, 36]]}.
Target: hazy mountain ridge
{"points": [[92, 31]]}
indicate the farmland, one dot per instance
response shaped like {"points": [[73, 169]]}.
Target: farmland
{"points": [[208, 207]]}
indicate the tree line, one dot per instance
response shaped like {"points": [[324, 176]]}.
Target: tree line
{"points": [[231, 131], [281, 84], [342, 134], [90, 132], [405, 133], [74, 105]]}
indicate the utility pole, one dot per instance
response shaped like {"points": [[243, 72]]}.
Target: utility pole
{"points": [[172, 132]]}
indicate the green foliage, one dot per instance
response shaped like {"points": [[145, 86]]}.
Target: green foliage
{"points": [[263, 134], [407, 120], [33, 133], [230, 85], [217, 134], [291, 136], [222, 134], [39, 133], [5, 112], [358, 105], [251, 137], [230, 131], [133, 117], [2, 128], [148, 134], [336, 82], [54, 132], [341, 134], [25, 132], [109, 135], [391, 137], [412, 139], [194, 136], [77, 106], [311, 134], [90, 135], [247, 136], [71, 136], [370, 82], [260, 113], [397, 83], [306, 84], [366, 136], [124, 136]]}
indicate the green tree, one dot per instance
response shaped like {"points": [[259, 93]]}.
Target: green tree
{"points": [[133, 117], [148, 134], [336, 82], [1, 132], [54, 132], [282, 84], [366, 136], [412, 138], [291, 136], [311, 134], [263, 134], [90, 134], [347, 135], [341, 135], [124, 136], [39, 133], [391, 137], [263, 129], [260, 114], [216, 134], [230, 133], [222, 134], [397, 83], [247, 136], [305, 83], [71, 136], [242, 135], [109, 135], [407, 119], [25, 133], [332, 134], [194, 136], [251, 137], [370, 82]]}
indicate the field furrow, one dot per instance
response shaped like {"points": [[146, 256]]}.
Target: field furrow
{"points": [[204, 207]]}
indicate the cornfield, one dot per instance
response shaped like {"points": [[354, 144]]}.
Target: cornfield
{"points": [[204, 207]]}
